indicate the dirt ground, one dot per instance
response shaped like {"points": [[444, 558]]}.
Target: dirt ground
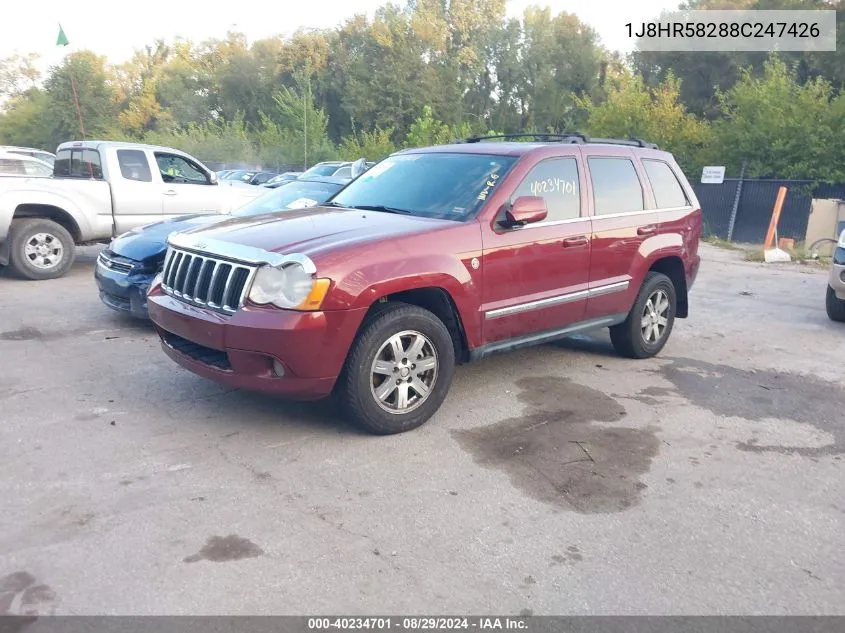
{"points": [[555, 480]]}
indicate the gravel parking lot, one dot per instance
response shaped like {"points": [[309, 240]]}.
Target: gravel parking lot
{"points": [[555, 480]]}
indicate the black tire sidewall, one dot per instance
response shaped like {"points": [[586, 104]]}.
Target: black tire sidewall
{"points": [[357, 394], [835, 306], [655, 281], [20, 232]]}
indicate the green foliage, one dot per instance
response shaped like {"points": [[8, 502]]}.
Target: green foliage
{"points": [[655, 114], [781, 127], [373, 145]]}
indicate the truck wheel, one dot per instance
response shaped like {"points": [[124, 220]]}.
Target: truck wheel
{"points": [[399, 370], [40, 249], [649, 324], [835, 306]]}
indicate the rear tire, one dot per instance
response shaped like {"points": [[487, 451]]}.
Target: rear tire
{"points": [[649, 324], [835, 306], [40, 249], [399, 370]]}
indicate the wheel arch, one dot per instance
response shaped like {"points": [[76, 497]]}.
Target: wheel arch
{"points": [[673, 267], [49, 212], [436, 300]]}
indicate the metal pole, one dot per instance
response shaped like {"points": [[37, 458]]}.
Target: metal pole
{"points": [[735, 207], [305, 123]]}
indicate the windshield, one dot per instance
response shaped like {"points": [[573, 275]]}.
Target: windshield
{"points": [[435, 185], [293, 195]]}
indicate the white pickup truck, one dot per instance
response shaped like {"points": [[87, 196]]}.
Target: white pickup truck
{"points": [[99, 190]]}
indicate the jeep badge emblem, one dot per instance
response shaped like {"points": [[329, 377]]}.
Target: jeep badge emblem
{"points": [[201, 245], [475, 263]]}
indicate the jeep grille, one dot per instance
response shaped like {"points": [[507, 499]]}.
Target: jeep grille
{"points": [[218, 284]]}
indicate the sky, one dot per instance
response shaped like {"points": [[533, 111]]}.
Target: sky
{"points": [[94, 24]]}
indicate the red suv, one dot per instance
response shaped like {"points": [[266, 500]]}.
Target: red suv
{"points": [[434, 257]]}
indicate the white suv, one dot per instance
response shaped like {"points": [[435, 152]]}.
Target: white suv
{"points": [[836, 283]]}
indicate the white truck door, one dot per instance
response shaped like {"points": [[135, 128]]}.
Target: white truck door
{"points": [[135, 187], [187, 187]]}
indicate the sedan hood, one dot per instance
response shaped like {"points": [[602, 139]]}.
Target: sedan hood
{"points": [[151, 240], [318, 229]]}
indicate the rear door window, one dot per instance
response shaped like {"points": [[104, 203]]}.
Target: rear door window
{"points": [[134, 165], [616, 186], [668, 192]]}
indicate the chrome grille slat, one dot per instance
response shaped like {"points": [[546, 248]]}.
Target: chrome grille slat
{"points": [[206, 280]]}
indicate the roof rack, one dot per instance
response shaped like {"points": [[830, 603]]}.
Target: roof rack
{"points": [[565, 137]]}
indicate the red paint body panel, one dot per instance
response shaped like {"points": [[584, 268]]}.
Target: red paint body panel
{"points": [[311, 345], [369, 255]]}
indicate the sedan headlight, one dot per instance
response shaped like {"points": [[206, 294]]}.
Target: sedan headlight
{"points": [[288, 287]]}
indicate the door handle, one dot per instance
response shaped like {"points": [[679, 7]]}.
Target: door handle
{"points": [[170, 192], [580, 240], [649, 229]]}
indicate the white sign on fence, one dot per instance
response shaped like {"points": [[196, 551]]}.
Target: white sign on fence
{"points": [[713, 175]]}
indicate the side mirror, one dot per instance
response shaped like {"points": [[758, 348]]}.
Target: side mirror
{"points": [[212, 178], [359, 167], [526, 210]]}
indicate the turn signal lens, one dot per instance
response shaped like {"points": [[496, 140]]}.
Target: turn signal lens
{"points": [[315, 298]]}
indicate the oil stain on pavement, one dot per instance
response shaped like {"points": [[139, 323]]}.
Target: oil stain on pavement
{"points": [[221, 549], [758, 394], [22, 594], [561, 454]]}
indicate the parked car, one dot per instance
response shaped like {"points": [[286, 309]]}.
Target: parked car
{"points": [[434, 257], [100, 189], [127, 266], [282, 178], [223, 173], [240, 174], [12, 164], [835, 300], [40, 154], [262, 177]]}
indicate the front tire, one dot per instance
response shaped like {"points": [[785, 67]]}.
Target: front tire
{"points": [[835, 306], [649, 324], [399, 370], [40, 249]]}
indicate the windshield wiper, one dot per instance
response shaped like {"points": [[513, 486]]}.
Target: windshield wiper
{"points": [[380, 208], [334, 204]]}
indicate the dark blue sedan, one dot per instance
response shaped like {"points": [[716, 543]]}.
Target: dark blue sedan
{"points": [[125, 269]]}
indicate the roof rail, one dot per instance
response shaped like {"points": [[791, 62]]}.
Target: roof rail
{"points": [[565, 137]]}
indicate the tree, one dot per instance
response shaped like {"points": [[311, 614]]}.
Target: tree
{"points": [[782, 128], [18, 74], [373, 145], [655, 114], [95, 89]]}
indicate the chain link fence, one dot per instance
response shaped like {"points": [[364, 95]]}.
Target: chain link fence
{"points": [[750, 202]]}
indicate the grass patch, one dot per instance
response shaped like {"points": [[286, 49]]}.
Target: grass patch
{"points": [[718, 241], [800, 255]]}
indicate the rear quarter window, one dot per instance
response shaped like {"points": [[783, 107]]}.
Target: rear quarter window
{"points": [[668, 192]]}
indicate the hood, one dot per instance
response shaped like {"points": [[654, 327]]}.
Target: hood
{"points": [[151, 240], [318, 229]]}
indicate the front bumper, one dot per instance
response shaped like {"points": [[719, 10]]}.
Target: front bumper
{"points": [[124, 292], [240, 350]]}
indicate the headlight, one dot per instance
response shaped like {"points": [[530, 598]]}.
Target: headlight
{"points": [[841, 243], [288, 287]]}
